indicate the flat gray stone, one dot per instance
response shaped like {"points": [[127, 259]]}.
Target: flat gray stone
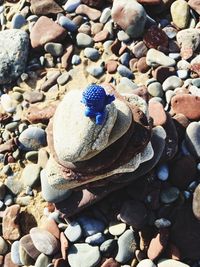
{"points": [[14, 46], [156, 58], [31, 174], [75, 135], [83, 255], [73, 231]]}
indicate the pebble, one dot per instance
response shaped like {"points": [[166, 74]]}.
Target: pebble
{"points": [[44, 241], [18, 21], [126, 246], [195, 202], [42, 260], [169, 195], [27, 244], [123, 36], [163, 172], [73, 232], [162, 223], [83, 40], [31, 174], [7, 103], [182, 74], [157, 112], [96, 239], [67, 23], [124, 71], [125, 58], [32, 156], [108, 246], [155, 58], [83, 255], [90, 226], [91, 13], [180, 7], [91, 53], [3, 246], [55, 49], [105, 15], [170, 263], [15, 257], [32, 138], [172, 83], [76, 60], [135, 17], [146, 263], [193, 137], [155, 89], [95, 71], [116, 228], [2, 190], [71, 5], [8, 200]]}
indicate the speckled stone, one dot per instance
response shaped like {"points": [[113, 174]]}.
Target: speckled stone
{"points": [[180, 7]]}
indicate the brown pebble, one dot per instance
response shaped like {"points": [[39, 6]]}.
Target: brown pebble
{"points": [[51, 226], [188, 105], [64, 245], [10, 226], [158, 244], [157, 112], [133, 64], [155, 37], [45, 7], [115, 47], [142, 65], [46, 30], [8, 146], [111, 66], [1, 260], [8, 262], [94, 3], [101, 36], [67, 56], [162, 73], [150, 2], [110, 263], [91, 13]]}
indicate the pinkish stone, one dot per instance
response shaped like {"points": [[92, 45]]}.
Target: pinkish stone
{"points": [[10, 226]]}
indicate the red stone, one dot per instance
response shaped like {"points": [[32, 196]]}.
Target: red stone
{"points": [[91, 13], [155, 37], [51, 226], [64, 245], [110, 263], [111, 66], [8, 262], [10, 224], [188, 105], [45, 7], [67, 56], [142, 65], [101, 36], [195, 68], [46, 30], [157, 112]]}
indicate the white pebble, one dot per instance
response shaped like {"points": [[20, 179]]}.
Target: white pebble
{"points": [[162, 223], [8, 200], [183, 74]]}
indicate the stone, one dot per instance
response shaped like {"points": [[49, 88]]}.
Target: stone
{"points": [[155, 58], [14, 52], [186, 104], [67, 56], [158, 244], [44, 241], [73, 232], [116, 228], [155, 37], [101, 36], [171, 262], [157, 112], [125, 72], [45, 7], [96, 4], [10, 226], [111, 66], [194, 4], [110, 263], [192, 138], [155, 89], [30, 174], [126, 246], [63, 78], [142, 65], [3, 246], [146, 263], [162, 223], [27, 244], [42, 260], [172, 83], [18, 21], [15, 256], [73, 149], [8, 261], [139, 49], [182, 171], [24, 257], [162, 172], [90, 226], [50, 225], [64, 245], [91, 53], [161, 73], [188, 40], [91, 13], [83, 255], [96, 239], [71, 5], [83, 40], [133, 213], [135, 17], [33, 97], [51, 194], [45, 30], [67, 23], [55, 49], [95, 71], [195, 202], [169, 195], [108, 246], [177, 7], [32, 138], [105, 15]]}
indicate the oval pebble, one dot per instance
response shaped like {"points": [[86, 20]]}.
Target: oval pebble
{"points": [[91, 226], [108, 246], [124, 71], [116, 228], [84, 40], [32, 138], [15, 257], [162, 223], [67, 23], [91, 53], [71, 5], [155, 89], [96, 239], [18, 21], [95, 71], [169, 195], [146, 263], [172, 83], [55, 49], [73, 232], [42, 260], [76, 60], [7, 103], [163, 172]]}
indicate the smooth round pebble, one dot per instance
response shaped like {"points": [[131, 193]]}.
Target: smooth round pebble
{"points": [[32, 138], [31, 174], [124, 71], [83, 40], [91, 53], [73, 232], [15, 257], [146, 263], [18, 21], [95, 71], [155, 89], [169, 195], [182, 74], [42, 260], [162, 172], [96, 239], [162, 223], [172, 83], [67, 23], [76, 60], [116, 228], [7, 103], [71, 5], [193, 138], [108, 246], [63, 78], [8, 200], [55, 49]]}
